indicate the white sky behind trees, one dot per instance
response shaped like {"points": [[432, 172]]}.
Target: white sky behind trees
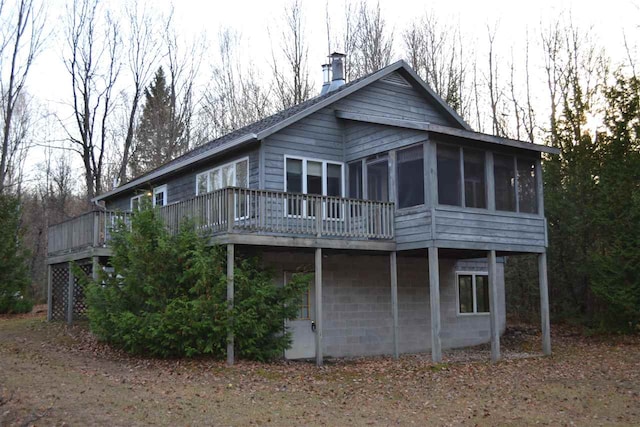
{"points": [[609, 22]]}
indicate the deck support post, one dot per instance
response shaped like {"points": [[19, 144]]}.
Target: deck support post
{"points": [[49, 293], [95, 268], [493, 307], [318, 305], [230, 292], [393, 264], [544, 303], [434, 298], [70, 295]]}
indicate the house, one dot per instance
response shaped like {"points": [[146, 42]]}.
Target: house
{"points": [[401, 210]]}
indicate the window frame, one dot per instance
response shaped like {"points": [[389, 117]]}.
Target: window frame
{"points": [[419, 145], [139, 198], [219, 168], [160, 189], [473, 275], [288, 275]]}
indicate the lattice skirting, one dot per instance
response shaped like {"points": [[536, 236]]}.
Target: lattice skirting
{"points": [[60, 292]]}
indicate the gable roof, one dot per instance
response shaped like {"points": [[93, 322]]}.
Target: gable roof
{"points": [[269, 125]]}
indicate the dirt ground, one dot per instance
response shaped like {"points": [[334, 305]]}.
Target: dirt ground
{"points": [[51, 374]]}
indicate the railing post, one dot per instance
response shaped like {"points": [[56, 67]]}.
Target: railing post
{"points": [[318, 209], [96, 228], [230, 210], [70, 289]]}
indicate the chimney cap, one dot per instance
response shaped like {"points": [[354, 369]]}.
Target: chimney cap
{"points": [[337, 55]]}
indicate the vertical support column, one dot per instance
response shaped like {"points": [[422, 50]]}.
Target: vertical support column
{"points": [[318, 308], [231, 210], [95, 267], [393, 264], [70, 295], [49, 293], [391, 170], [434, 297], [230, 267], [544, 303], [490, 184], [493, 307]]}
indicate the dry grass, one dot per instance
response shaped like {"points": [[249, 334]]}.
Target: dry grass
{"points": [[54, 375]]}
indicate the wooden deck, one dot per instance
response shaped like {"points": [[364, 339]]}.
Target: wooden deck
{"points": [[244, 216]]}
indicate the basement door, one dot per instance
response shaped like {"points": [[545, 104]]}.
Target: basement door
{"points": [[302, 329]]}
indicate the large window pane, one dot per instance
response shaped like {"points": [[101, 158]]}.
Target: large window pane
{"points": [[355, 180], [504, 182], [410, 168], [378, 180], [527, 191], [449, 175], [465, 288], [482, 294], [334, 180], [215, 180], [242, 174], [294, 175], [202, 183], [474, 180], [314, 178]]}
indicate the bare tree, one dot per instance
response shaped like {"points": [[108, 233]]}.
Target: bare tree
{"points": [[374, 42], [143, 51], [93, 66], [21, 39], [291, 79], [435, 51], [235, 96]]}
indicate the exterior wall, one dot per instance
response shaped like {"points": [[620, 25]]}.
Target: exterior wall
{"points": [[182, 186], [357, 303]]}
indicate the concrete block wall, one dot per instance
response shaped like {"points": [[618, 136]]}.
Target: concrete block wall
{"points": [[357, 302]]}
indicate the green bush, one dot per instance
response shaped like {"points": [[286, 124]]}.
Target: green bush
{"points": [[166, 297], [14, 274]]}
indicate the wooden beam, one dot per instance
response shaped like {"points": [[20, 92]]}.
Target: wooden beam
{"points": [[70, 286], [393, 264], [230, 293], [49, 293], [493, 307], [490, 184], [318, 306], [544, 303], [445, 130], [434, 298]]}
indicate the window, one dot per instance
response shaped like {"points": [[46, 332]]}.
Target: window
{"points": [[378, 180], [474, 179], [355, 180], [160, 196], [504, 177], [527, 186], [311, 177], [137, 201], [234, 174], [410, 172], [448, 163], [304, 304], [473, 293]]}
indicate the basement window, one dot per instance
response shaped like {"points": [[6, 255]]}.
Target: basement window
{"points": [[473, 292]]}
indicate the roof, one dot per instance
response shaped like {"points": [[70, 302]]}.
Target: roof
{"points": [[263, 128]]}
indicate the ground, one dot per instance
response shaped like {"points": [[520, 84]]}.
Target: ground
{"points": [[51, 374]]}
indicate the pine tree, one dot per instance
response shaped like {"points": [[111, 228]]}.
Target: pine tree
{"points": [[161, 135]]}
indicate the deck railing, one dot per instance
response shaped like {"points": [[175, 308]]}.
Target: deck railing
{"points": [[239, 210]]}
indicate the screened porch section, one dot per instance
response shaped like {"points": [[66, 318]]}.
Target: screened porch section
{"points": [[235, 210]]}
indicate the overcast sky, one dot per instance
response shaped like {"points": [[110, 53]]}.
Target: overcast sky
{"points": [[610, 21]]}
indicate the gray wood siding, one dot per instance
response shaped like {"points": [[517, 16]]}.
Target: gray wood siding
{"points": [[390, 100], [362, 139], [319, 136], [457, 227], [182, 185], [413, 227]]}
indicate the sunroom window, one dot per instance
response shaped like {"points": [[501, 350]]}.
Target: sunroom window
{"points": [[448, 159], [527, 188], [474, 179], [505, 181], [410, 171]]}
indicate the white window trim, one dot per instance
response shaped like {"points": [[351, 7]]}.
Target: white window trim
{"points": [[208, 172], [160, 189], [324, 163], [139, 198], [473, 275]]}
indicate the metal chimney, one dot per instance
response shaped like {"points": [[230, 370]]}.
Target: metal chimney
{"points": [[326, 78], [337, 70]]}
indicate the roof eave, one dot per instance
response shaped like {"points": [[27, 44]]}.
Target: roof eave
{"points": [[250, 137]]}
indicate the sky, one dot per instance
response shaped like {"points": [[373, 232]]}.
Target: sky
{"points": [[610, 22]]}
